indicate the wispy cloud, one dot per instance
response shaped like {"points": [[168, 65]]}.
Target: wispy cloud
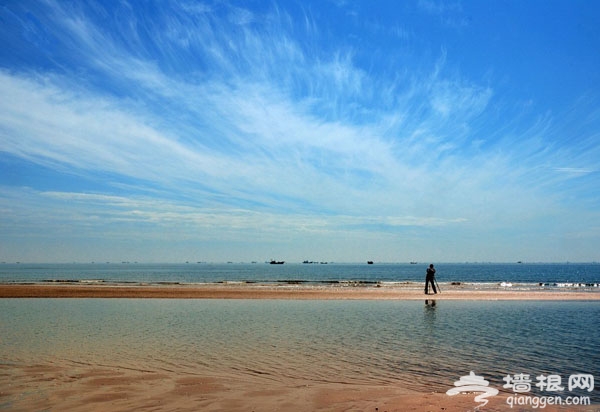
{"points": [[574, 170], [222, 119], [450, 13]]}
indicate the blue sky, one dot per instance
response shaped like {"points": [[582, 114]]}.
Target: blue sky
{"points": [[324, 130]]}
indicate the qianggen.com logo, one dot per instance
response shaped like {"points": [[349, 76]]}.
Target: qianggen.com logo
{"points": [[521, 384]]}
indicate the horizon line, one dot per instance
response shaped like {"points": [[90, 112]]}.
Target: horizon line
{"points": [[320, 262]]}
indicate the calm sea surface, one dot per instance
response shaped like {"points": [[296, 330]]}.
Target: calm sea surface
{"points": [[261, 272], [410, 344]]}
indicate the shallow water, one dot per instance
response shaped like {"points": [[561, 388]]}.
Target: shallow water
{"points": [[404, 343]]}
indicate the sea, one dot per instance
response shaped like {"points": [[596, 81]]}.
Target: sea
{"points": [[549, 274], [425, 345]]}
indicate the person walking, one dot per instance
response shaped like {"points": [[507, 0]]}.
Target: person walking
{"points": [[430, 278]]}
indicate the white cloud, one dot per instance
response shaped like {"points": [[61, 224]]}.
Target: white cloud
{"points": [[257, 132], [576, 171], [240, 16]]}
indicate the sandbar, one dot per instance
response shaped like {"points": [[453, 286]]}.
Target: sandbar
{"points": [[300, 292]]}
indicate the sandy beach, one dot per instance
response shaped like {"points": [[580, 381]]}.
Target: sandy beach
{"points": [[265, 291], [60, 383], [78, 388]]}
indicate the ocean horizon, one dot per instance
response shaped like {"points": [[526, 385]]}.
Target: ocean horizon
{"points": [[548, 274]]}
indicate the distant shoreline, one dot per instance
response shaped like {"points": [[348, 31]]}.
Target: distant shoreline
{"points": [[300, 292]]}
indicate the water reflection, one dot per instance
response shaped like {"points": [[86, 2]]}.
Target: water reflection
{"points": [[430, 314]]}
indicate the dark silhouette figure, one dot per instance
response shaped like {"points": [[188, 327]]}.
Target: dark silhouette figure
{"points": [[430, 278]]}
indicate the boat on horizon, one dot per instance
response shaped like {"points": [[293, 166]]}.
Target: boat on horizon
{"points": [[277, 262]]}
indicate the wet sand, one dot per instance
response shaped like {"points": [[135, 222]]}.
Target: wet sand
{"points": [[80, 388], [266, 291]]}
